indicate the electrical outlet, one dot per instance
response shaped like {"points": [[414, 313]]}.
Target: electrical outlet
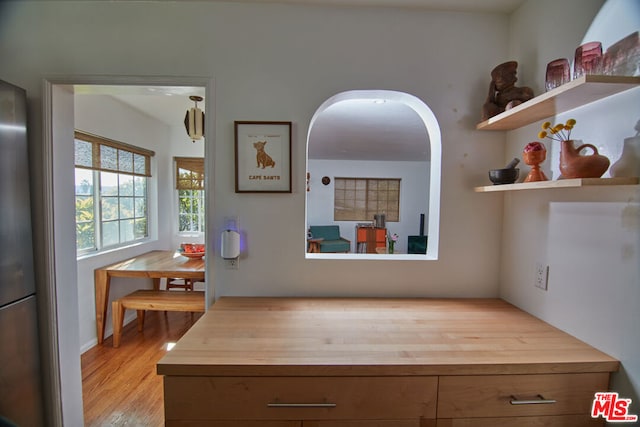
{"points": [[542, 276], [231, 263]]}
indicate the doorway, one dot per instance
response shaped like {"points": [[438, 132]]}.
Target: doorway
{"points": [[61, 297]]}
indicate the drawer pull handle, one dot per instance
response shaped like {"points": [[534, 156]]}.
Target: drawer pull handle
{"points": [[301, 405], [539, 401]]}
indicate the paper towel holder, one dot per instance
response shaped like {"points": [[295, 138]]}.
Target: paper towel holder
{"points": [[230, 244]]}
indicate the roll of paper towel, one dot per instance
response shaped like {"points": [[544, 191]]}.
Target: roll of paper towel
{"points": [[230, 246]]}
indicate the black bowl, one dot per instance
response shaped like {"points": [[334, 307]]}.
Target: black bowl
{"points": [[503, 176]]}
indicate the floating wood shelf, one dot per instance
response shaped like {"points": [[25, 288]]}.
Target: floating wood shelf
{"points": [[576, 93], [561, 183]]}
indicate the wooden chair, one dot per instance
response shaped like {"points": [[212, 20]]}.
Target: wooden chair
{"points": [[176, 283]]}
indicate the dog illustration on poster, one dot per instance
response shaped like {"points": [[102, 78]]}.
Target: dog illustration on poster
{"points": [[262, 158]]}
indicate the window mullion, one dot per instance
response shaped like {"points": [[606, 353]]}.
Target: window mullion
{"points": [[192, 210], [97, 210], [201, 212], [367, 207], [119, 219]]}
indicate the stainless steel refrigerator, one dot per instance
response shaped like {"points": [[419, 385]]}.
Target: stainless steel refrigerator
{"points": [[21, 402]]}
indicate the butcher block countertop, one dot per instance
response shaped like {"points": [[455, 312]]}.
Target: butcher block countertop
{"points": [[241, 336]]}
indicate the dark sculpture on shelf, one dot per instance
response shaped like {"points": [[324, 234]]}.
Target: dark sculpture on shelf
{"points": [[503, 94]]}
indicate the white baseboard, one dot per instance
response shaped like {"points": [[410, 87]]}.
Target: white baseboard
{"points": [[108, 331]]}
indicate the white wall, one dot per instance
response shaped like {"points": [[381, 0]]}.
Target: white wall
{"points": [[414, 194], [280, 62], [590, 237]]}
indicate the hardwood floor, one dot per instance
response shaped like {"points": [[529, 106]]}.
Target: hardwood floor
{"points": [[120, 386]]}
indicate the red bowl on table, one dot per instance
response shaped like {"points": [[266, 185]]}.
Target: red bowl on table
{"points": [[192, 250]]}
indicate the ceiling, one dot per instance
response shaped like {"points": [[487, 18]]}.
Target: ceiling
{"points": [[492, 6], [346, 130], [366, 129], [167, 104], [495, 6]]}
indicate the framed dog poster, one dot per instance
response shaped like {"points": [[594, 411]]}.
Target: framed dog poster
{"points": [[263, 157]]}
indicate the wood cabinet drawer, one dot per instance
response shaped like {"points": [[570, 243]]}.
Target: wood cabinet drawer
{"points": [[492, 395], [368, 423], [240, 423], [299, 398], [544, 421]]}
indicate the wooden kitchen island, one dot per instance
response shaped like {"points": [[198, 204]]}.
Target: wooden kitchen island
{"points": [[316, 362]]}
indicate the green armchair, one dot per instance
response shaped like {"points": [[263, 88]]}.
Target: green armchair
{"points": [[332, 241]]}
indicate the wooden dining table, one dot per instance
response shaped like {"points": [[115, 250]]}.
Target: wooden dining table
{"points": [[155, 265]]}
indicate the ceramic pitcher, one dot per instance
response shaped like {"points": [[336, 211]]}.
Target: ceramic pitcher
{"points": [[575, 165]]}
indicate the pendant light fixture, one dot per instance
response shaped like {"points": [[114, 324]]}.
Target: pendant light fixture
{"points": [[194, 120]]}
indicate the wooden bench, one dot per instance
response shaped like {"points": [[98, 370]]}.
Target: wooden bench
{"points": [[142, 300]]}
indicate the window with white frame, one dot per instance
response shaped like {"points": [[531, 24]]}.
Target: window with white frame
{"points": [[190, 186], [111, 180]]}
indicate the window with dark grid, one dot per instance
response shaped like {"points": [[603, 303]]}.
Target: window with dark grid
{"points": [[359, 199]]}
